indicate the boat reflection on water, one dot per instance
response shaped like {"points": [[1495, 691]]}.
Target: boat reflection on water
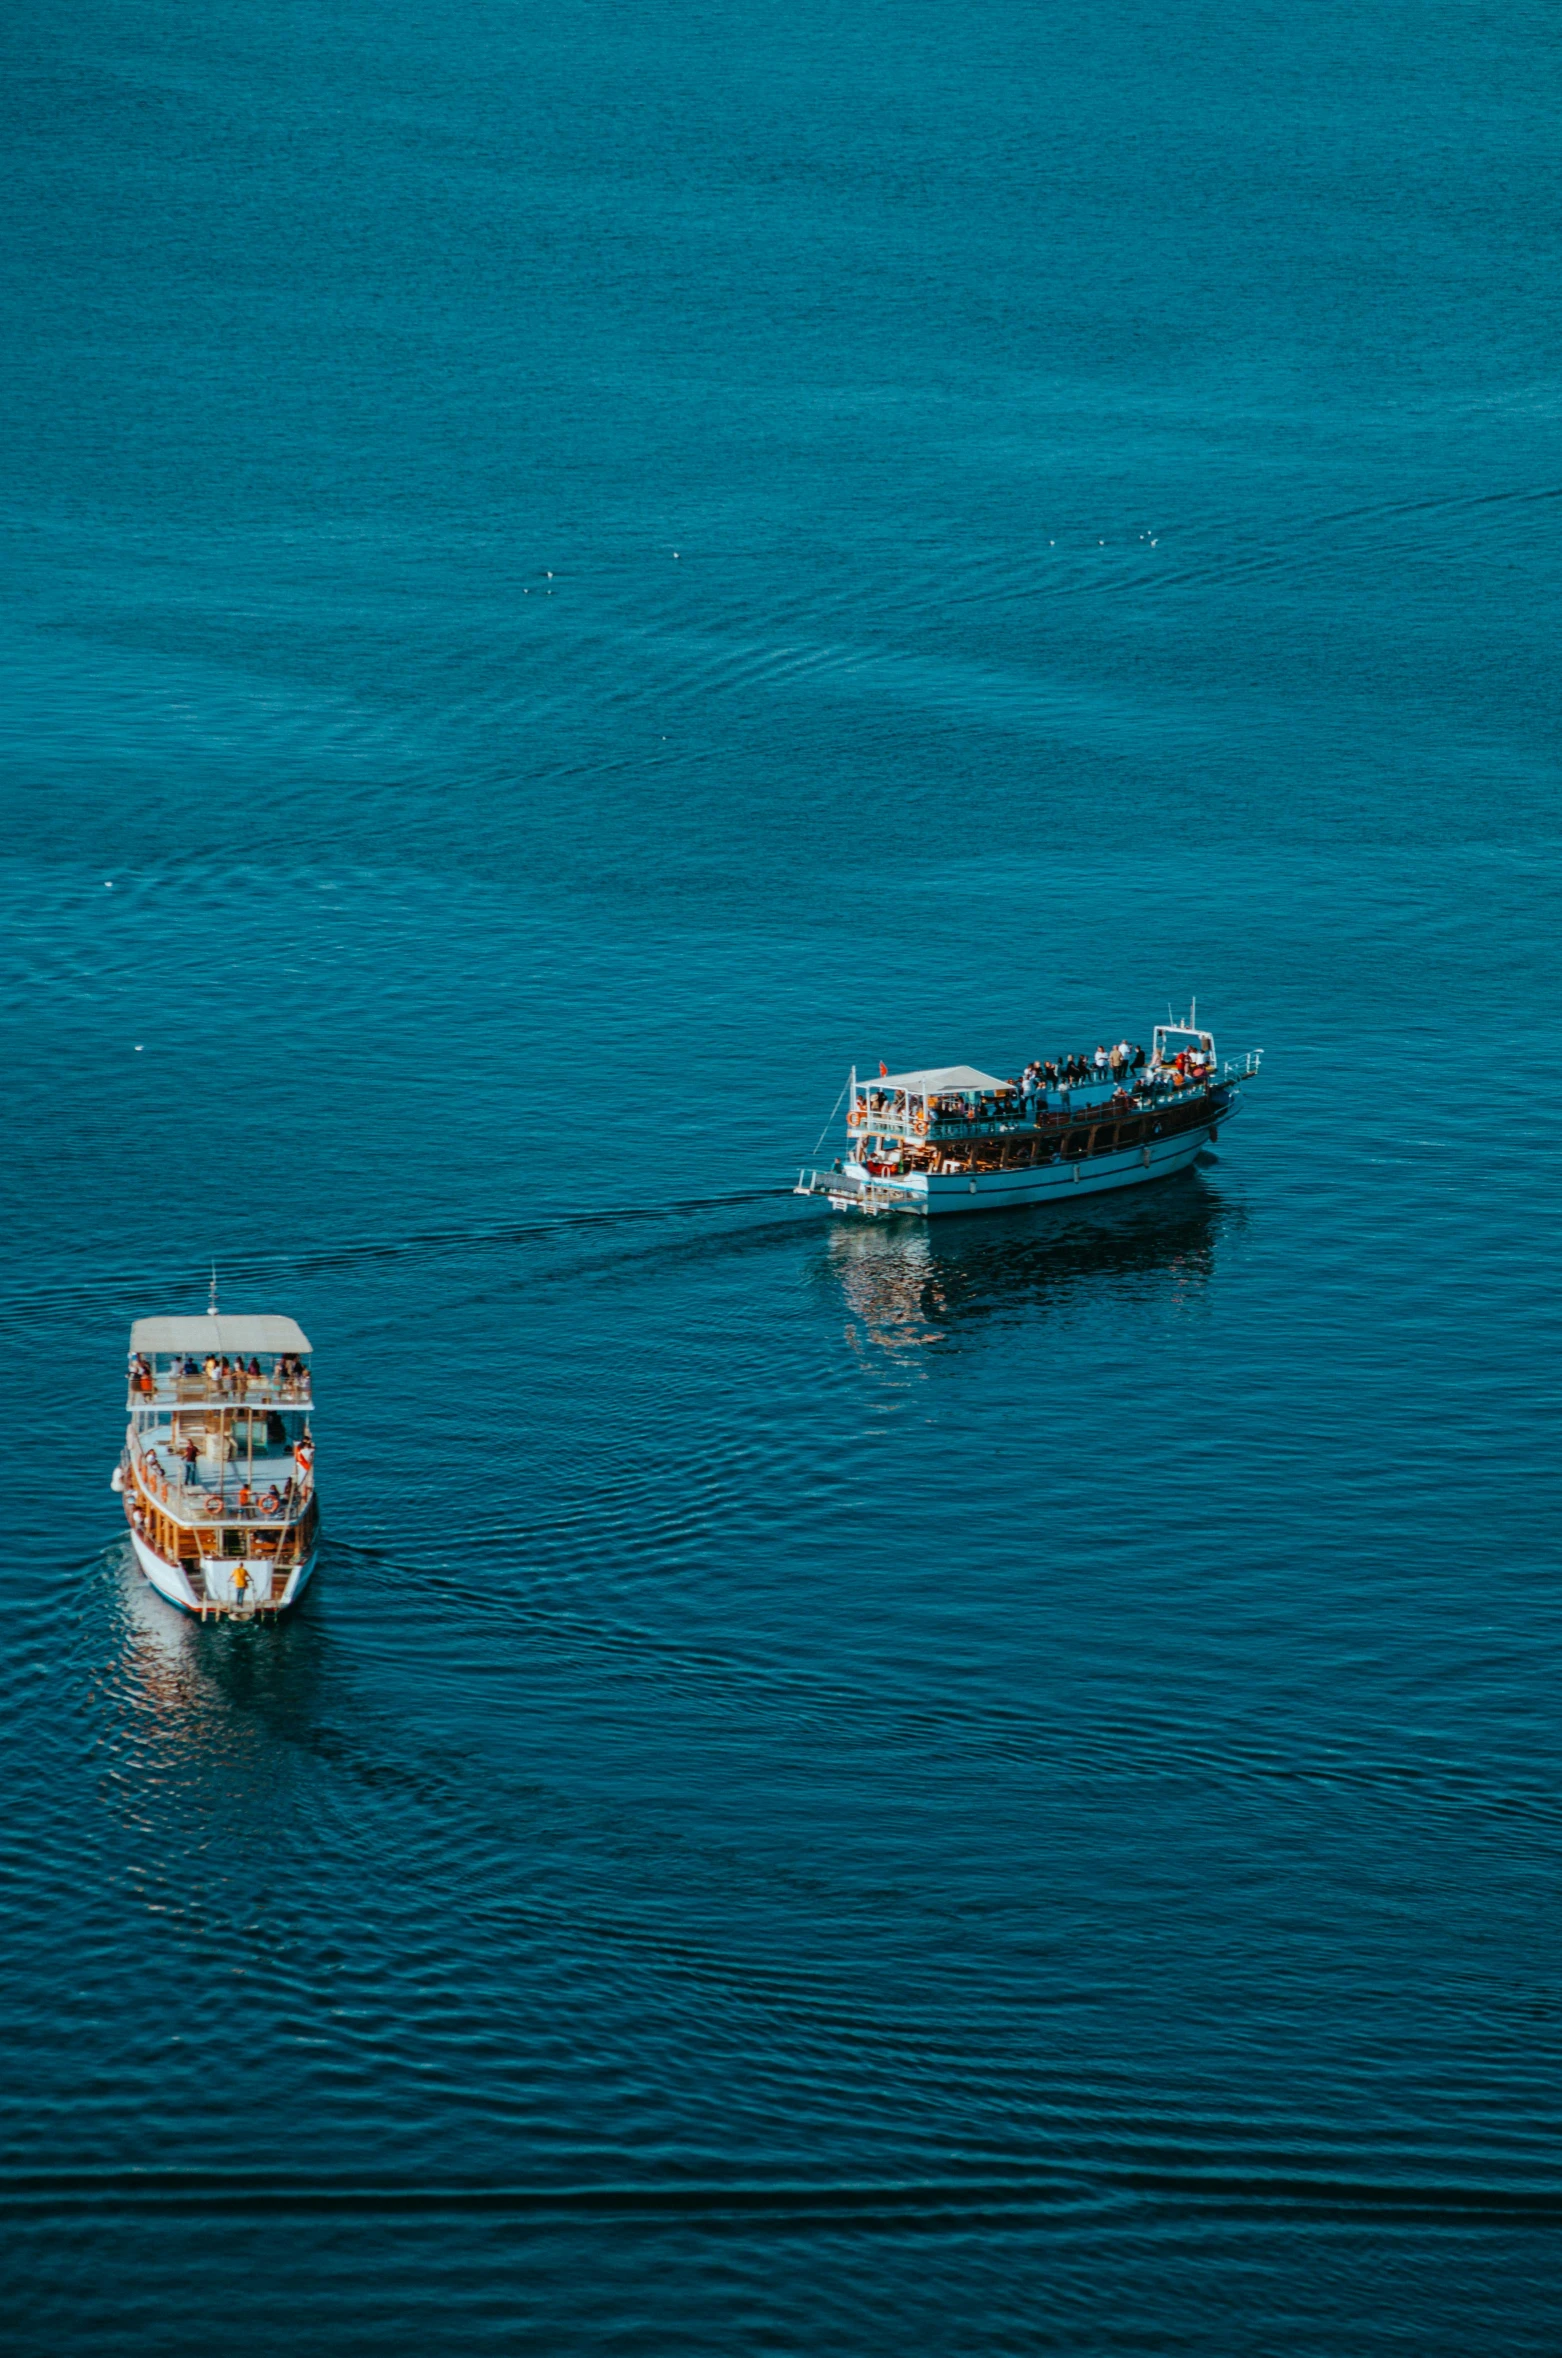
{"points": [[909, 1286], [189, 1693]]}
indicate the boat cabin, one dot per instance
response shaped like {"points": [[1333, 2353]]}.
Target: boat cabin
{"points": [[944, 1097], [219, 1421], [1183, 1049], [218, 1359]]}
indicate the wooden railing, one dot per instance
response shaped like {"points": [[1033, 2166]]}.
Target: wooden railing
{"points": [[163, 1390]]}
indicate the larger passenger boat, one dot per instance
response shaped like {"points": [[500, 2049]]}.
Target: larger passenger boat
{"points": [[217, 1473], [953, 1139]]}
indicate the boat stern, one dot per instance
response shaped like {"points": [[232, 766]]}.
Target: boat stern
{"points": [[854, 1191]]}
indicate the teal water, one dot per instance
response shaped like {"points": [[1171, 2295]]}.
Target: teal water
{"points": [[567, 574]]}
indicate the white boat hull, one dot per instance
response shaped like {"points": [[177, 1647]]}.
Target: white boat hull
{"points": [[223, 1596], [930, 1193]]}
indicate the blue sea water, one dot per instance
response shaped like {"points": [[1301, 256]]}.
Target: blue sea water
{"points": [[569, 572]]}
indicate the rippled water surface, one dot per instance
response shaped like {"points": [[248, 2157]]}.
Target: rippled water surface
{"points": [[568, 572]]}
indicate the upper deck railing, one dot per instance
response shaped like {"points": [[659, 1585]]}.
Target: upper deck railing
{"points": [[160, 1388], [1046, 1108]]}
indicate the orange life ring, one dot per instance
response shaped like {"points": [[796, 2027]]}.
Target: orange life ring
{"points": [[214, 1506], [919, 1123]]}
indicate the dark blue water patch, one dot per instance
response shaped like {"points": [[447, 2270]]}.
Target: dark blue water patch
{"points": [[567, 579]]}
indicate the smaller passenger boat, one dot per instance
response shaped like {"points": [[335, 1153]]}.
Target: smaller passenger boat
{"points": [[217, 1474], [953, 1139]]}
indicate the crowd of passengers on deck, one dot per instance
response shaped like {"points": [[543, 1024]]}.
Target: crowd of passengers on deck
{"points": [[225, 1377], [1077, 1072], [275, 1500], [1125, 1066]]}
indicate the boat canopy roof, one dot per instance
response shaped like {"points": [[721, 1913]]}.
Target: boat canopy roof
{"points": [[936, 1079], [222, 1333]]}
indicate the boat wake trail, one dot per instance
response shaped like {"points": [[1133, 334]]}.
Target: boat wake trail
{"points": [[1041, 2194]]}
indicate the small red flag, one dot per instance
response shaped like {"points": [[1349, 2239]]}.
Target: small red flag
{"points": [[883, 1069]]}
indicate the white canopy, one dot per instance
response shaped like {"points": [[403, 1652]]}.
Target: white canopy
{"points": [[200, 1335], [936, 1079]]}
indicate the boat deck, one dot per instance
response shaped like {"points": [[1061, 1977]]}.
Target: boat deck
{"points": [[186, 1502], [161, 1390]]}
